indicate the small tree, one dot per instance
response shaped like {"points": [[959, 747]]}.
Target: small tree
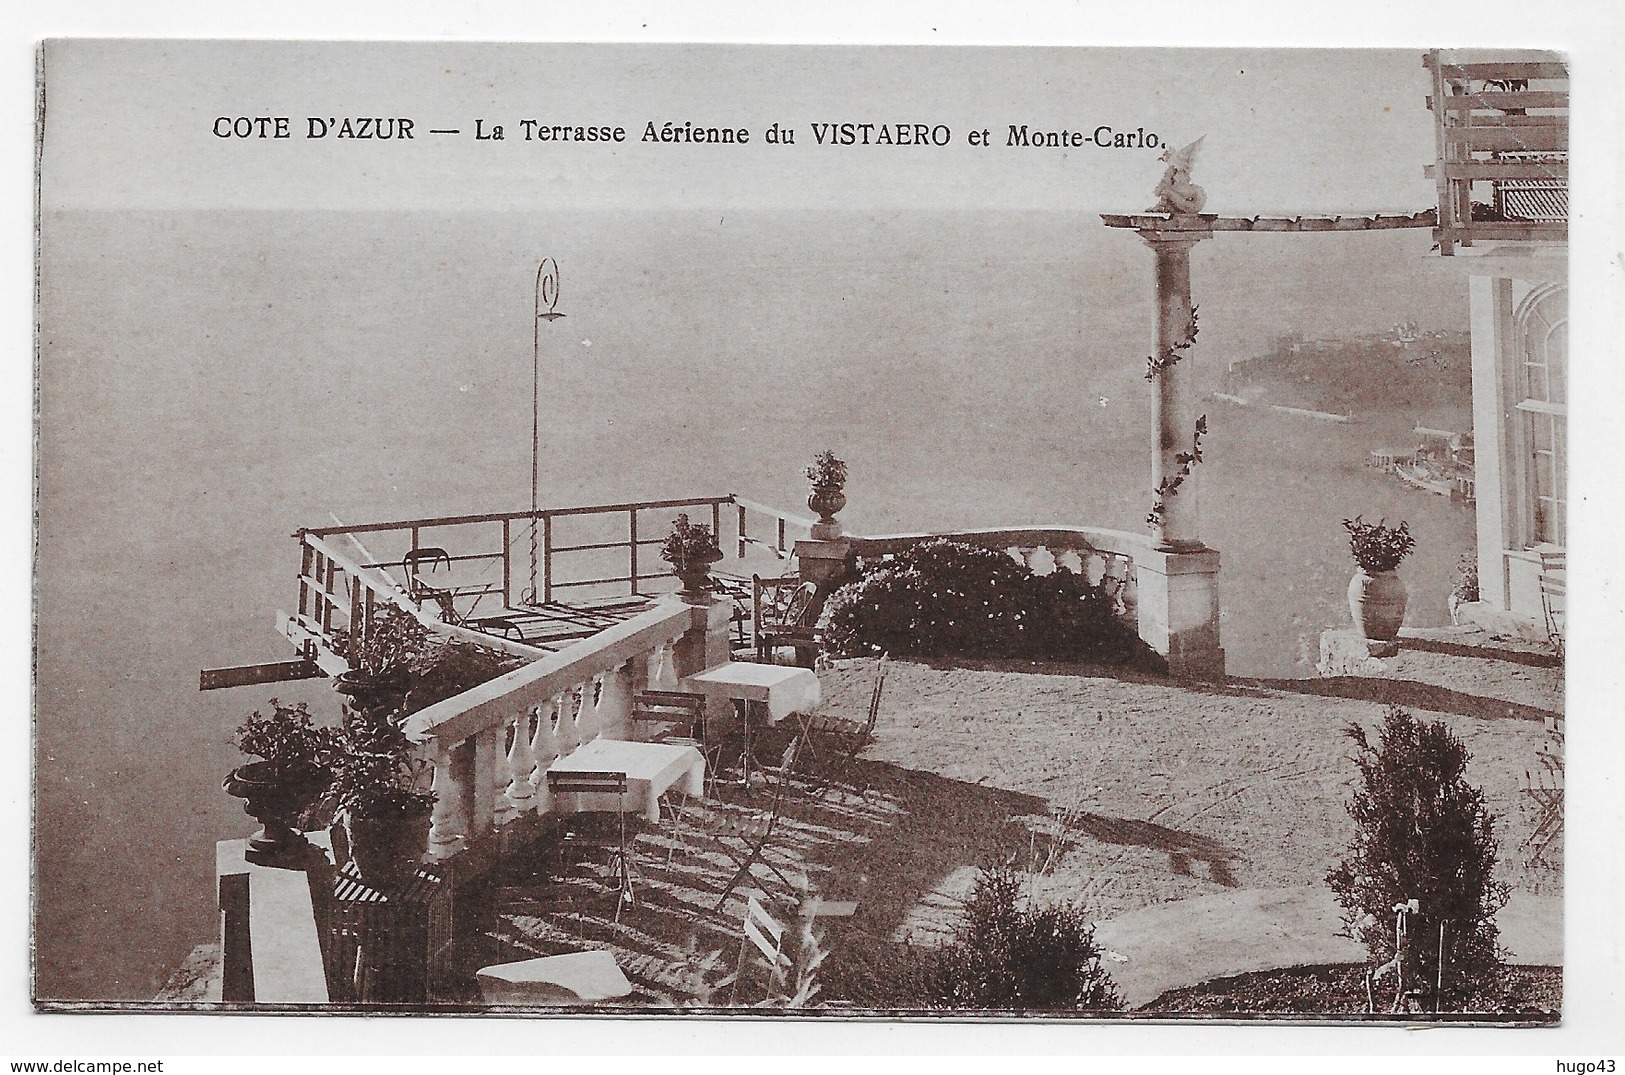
{"points": [[1421, 833], [1010, 957]]}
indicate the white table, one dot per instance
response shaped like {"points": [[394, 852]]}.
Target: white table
{"points": [[782, 689], [651, 770], [573, 978]]}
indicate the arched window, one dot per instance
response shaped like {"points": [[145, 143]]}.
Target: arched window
{"points": [[1543, 345]]}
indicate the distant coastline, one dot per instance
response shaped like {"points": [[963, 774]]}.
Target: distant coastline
{"points": [[1426, 373]]}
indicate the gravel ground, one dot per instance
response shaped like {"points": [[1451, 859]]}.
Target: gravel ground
{"points": [[1188, 790]]}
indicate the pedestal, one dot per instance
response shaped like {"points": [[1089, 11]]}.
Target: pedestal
{"points": [[1179, 610], [828, 563], [705, 644]]}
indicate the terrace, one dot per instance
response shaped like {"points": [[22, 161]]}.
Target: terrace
{"points": [[1187, 784], [572, 592]]}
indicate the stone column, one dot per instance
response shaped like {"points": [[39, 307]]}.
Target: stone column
{"points": [[1173, 402], [1179, 578]]}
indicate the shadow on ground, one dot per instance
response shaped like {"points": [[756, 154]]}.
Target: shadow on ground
{"points": [[1181, 847], [1409, 694], [891, 839]]}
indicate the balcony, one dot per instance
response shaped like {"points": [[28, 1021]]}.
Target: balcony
{"points": [[1502, 138]]}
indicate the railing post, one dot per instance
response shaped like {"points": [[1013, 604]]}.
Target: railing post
{"points": [[447, 825], [521, 791], [615, 703], [589, 718], [499, 777], [663, 667], [544, 745], [547, 559], [568, 735], [705, 644], [741, 531], [307, 557], [632, 545], [507, 563], [329, 580]]}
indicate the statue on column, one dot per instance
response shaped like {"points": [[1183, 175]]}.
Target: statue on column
{"points": [[1176, 194]]}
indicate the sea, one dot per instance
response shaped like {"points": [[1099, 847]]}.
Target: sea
{"points": [[210, 381]]}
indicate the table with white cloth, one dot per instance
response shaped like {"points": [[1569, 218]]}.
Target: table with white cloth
{"points": [[770, 691], [651, 769], [779, 689]]}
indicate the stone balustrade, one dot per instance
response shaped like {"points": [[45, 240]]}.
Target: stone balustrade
{"points": [[491, 745]]}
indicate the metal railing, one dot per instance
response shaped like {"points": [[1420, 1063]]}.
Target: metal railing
{"points": [[444, 570]]}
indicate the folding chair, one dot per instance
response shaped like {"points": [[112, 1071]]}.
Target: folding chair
{"points": [[763, 931], [598, 829], [666, 713], [419, 590], [834, 742], [1554, 596], [744, 838]]}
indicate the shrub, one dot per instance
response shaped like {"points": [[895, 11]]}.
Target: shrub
{"points": [[408, 669], [689, 545], [1422, 833], [945, 598], [447, 668], [392, 641], [377, 770], [1007, 957]]}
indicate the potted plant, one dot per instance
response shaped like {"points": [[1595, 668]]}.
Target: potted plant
{"points": [[828, 477], [1376, 595], [380, 657], [290, 776], [381, 798], [691, 549], [1465, 591]]}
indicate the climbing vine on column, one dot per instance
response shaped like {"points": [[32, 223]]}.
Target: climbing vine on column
{"points": [[1185, 463], [1155, 364]]}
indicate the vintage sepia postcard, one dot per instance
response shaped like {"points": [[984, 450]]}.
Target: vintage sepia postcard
{"points": [[801, 531]]}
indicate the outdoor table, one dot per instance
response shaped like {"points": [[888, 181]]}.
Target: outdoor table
{"points": [[781, 689], [774, 689], [572, 978], [651, 770]]}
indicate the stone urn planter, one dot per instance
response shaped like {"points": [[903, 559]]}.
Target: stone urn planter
{"points": [[828, 476], [691, 549], [1377, 602], [385, 851], [275, 796], [826, 501], [368, 691], [696, 577]]}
